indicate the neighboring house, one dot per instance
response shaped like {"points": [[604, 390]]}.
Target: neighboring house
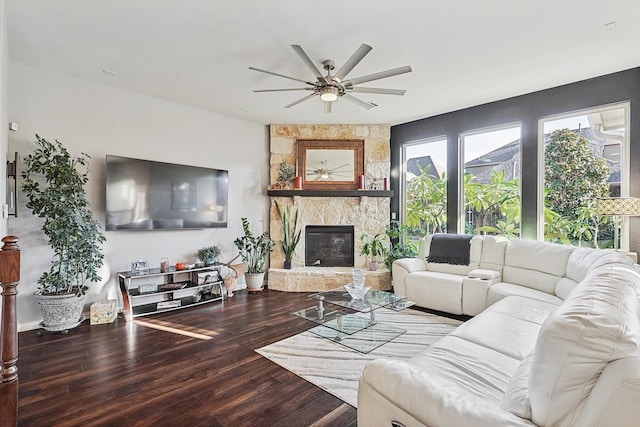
{"points": [[416, 164], [507, 157]]}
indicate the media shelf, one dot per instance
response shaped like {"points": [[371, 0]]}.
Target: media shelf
{"points": [[154, 291]]}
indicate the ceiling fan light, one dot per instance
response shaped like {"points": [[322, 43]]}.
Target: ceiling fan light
{"points": [[329, 94]]}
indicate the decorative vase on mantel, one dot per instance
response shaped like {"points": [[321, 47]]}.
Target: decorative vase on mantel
{"points": [[287, 264]]}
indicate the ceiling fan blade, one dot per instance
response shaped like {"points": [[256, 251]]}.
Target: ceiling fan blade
{"points": [[283, 90], [327, 107], [352, 62], [358, 102], [305, 58], [300, 100], [377, 76], [281, 75], [376, 90]]}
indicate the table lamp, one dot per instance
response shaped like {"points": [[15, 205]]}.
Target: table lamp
{"points": [[617, 207]]}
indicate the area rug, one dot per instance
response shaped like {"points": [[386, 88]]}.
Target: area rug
{"points": [[337, 369]]}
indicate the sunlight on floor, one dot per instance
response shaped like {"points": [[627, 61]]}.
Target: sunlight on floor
{"points": [[189, 331]]}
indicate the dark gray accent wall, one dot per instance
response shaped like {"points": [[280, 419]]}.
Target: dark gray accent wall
{"points": [[526, 109]]}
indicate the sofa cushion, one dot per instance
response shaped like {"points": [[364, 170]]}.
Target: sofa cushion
{"points": [[584, 260], [493, 249], [474, 257], [537, 265], [500, 332], [523, 308], [438, 291], [516, 397], [481, 370], [502, 290], [418, 396], [596, 324]]}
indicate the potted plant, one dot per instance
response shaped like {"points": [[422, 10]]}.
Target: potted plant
{"points": [[286, 173], [291, 233], [53, 183], [373, 247], [401, 246], [254, 251], [208, 254]]}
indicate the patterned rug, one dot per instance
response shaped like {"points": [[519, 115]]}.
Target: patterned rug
{"points": [[337, 369]]}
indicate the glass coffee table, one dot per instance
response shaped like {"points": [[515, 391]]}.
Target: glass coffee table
{"points": [[351, 322]]}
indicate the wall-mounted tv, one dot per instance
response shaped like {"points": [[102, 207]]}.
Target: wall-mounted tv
{"points": [[150, 195]]}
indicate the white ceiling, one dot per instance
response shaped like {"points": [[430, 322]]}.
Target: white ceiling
{"points": [[197, 52]]}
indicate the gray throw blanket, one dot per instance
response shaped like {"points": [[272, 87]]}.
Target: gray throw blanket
{"points": [[450, 249]]}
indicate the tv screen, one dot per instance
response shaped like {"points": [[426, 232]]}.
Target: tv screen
{"points": [[149, 195]]}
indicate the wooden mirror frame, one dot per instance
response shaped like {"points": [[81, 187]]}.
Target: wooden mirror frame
{"points": [[305, 146]]}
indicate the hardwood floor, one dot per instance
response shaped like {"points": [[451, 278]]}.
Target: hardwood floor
{"points": [[191, 367]]}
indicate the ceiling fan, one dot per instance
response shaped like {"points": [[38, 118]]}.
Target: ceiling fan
{"points": [[332, 87]]}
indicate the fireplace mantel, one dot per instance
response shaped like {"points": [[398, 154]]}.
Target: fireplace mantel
{"points": [[330, 193]]}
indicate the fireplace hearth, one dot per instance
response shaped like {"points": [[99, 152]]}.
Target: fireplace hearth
{"points": [[329, 245]]}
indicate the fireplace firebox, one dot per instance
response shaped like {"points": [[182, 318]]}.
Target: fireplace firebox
{"points": [[329, 245]]}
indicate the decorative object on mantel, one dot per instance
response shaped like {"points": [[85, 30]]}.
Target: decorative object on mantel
{"points": [[375, 184], [373, 247], [53, 182], [286, 173], [330, 88], [330, 164], [254, 250], [298, 183], [291, 233]]}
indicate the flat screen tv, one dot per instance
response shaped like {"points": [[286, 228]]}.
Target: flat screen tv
{"points": [[150, 195]]}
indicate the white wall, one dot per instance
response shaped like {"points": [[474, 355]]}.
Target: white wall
{"points": [[101, 120]]}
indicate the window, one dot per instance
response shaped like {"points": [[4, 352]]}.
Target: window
{"points": [[585, 156], [491, 182], [424, 190]]}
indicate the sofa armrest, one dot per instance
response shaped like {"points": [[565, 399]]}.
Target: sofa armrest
{"points": [[401, 268], [474, 290], [392, 390], [614, 398], [492, 276], [410, 264]]}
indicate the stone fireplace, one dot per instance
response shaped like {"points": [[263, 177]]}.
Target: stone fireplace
{"points": [[367, 215]]}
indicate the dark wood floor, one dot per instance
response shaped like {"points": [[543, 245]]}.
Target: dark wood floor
{"points": [[160, 370]]}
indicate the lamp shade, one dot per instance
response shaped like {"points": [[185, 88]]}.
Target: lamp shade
{"points": [[629, 206]]}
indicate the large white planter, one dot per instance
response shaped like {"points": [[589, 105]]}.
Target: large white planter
{"points": [[60, 312], [254, 281]]}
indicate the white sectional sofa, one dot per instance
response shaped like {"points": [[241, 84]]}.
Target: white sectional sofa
{"points": [[498, 268], [556, 343]]}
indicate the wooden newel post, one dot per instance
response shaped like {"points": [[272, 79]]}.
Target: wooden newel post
{"points": [[9, 277]]}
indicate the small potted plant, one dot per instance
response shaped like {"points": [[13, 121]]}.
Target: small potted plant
{"points": [[53, 182], [291, 233], [373, 247], [254, 251], [208, 254], [286, 173], [401, 246]]}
